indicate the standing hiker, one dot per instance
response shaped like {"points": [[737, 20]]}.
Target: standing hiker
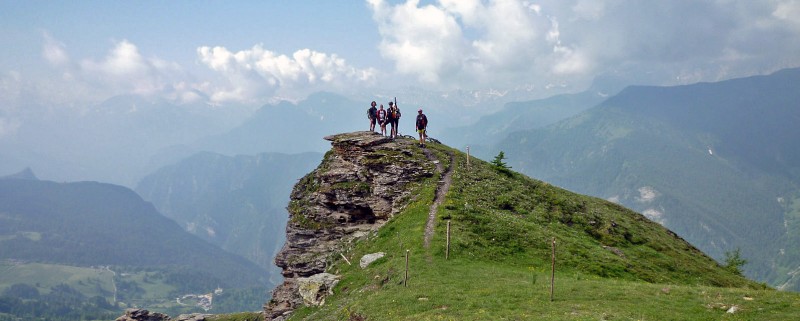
{"points": [[422, 124], [381, 115], [394, 117], [372, 115], [389, 119]]}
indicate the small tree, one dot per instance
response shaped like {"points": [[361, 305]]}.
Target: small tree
{"points": [[734, 261], [499, 165]]}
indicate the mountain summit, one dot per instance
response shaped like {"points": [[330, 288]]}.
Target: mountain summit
{"points": [[373, 197]]}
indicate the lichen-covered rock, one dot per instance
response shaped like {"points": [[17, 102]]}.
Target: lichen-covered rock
{"points": [[361, 183], [367, 259], [315, 288]]}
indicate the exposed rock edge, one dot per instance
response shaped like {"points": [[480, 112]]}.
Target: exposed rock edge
{"points": [[361, 183]]}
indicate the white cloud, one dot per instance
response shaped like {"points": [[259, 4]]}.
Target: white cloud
{"points": [[788, 11], [257, 74], [505, 43], [547, 46], [474, 44], [423, 41], [53, 51], [125, 70]]}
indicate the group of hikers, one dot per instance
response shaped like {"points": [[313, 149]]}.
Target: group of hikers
{"points": [[391, 116]]}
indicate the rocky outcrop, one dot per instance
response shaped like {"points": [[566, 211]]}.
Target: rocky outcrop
{"points": [[362, 182], [143, 315]]}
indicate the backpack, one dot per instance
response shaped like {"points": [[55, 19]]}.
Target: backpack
{"points": [[396, 113], [422, 121]]}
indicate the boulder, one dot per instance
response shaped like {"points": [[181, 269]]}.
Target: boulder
{"points": [[366, 260], [143, 315], [315, 288]]}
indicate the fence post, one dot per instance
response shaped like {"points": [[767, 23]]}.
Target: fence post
{"points": [[447, 252], [553, 272], [467, 157], [405, 280]]}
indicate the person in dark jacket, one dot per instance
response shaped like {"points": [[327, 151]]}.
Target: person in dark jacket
{"points": [[422, 125], [394, 119], [372, 114]]}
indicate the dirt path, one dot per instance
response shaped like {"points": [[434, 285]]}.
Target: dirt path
{"points": [[441, 191]]}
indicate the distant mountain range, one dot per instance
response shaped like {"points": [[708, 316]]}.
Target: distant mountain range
{"points": [[109, 142], [126, 137], [81, 250], [529, 114], [716, 162], [88, 223], [237, 203]]}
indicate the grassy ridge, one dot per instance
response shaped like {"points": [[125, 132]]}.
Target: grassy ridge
{"points": [[612, 263]]}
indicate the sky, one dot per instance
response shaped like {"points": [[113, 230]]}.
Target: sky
{"points": [[72, 53]]}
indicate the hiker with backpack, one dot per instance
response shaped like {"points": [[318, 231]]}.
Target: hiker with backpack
{"points": [[422, 124], [372, 115], [394, 119], [381, 116]]}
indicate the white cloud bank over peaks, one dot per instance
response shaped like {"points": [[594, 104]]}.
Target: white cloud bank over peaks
{"points": [[475, 44], [71, 82], [255, 74], [517, 43]]}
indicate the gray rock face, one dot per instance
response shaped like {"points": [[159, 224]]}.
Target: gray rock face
{"points": [[366, 260], [362, 182]]}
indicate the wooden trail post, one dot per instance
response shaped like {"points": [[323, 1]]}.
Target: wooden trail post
{"points": [[447, 252], [553, 273], [405, 280], [467, 157]]}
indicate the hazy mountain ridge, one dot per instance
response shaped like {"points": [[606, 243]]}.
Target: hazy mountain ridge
{"points": [[530, 114], [106, 249], [90, 223], [237, 203], [712, 161], [111, 141]]}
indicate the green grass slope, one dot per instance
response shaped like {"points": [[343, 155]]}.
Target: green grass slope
{"points": [[612, 263], [714, 162]]}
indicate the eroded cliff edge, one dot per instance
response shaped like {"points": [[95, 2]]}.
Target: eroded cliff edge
{"points": [[362, 182]]}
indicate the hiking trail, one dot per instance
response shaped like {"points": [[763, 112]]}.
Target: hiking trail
{"points": [[441, 191]]}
